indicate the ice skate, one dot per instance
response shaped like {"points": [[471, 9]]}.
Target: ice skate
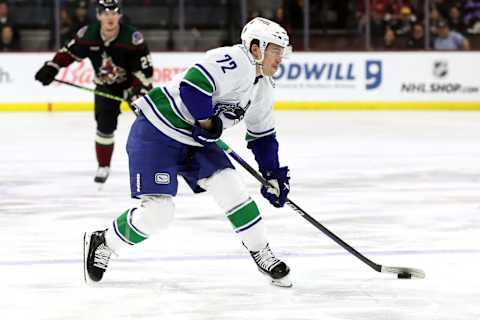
{"points": [[102, 174], [272, 267], [96, 255]]}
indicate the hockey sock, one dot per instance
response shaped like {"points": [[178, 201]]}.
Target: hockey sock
{"points": [[248, 224], [229, 192], [123, 232], [104, 148], [136, 224]]}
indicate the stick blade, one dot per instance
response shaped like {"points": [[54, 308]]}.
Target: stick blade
{"points": [[416, 273]]}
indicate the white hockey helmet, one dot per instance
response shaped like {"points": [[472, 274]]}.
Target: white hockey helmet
{"points": [[265, 31]]}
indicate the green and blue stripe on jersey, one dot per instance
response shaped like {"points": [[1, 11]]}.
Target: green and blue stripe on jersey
{"points": [[252, 135], [163, 106], [199, 78], [165, 109], [196, 90]]}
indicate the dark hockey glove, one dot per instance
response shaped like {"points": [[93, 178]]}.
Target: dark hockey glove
{"points": [[47, 73], [279, 179], [136, 92], [206, 137]]}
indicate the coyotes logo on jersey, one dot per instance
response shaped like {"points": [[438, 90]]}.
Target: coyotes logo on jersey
{"points": [[109, 72]]}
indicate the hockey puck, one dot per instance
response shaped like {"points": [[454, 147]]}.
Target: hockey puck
{"points": [[404, 275]]}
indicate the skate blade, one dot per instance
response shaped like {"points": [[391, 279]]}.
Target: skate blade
{"points": [[283, 282], [86, 244], [100, 185]]}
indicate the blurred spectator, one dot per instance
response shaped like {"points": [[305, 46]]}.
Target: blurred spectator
{"points": [[377, 15], [294, 11], [448, 39], [265, 9], [471, 10], [342, 13], [455, 20], [6, 20], [66, 29], [417, 38], [443, 6], [435, 18], [405, 21], [80, 17], [395, 7], [279, 16], [281, 20], [4, 12], [377, 24], [7, 40], [254, 14], [74, 14], [293, 20], [393, 11], [389, 40]]}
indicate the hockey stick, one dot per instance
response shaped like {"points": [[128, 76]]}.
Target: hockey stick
{"points": [[98, 93], [404, 273]]}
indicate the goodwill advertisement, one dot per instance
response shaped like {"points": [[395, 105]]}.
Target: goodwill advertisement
{"points": [[382, 77], [305, 78]]}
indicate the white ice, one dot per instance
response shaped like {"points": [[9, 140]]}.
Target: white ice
{"points": [[403, 188]]}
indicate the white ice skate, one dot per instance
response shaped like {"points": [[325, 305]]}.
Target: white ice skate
{"points": [[102, 174]]}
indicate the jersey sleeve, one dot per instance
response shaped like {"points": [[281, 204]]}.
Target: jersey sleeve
{"points": [[75, 50], [259, 119], [140, 62], [261, 135], [219, 73]]}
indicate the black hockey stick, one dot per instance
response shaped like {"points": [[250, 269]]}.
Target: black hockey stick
{"points": [[405, 273], [98, 93]]}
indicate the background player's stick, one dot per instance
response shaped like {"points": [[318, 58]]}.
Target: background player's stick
{"points": [[98, 93], [401, 272]]}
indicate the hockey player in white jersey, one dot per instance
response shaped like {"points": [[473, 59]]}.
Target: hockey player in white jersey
{"points": [[175, 135]]}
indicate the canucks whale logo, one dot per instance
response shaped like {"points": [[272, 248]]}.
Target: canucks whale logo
{"points": [[231, 113]]}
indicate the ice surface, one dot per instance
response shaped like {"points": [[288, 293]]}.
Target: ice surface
{"points": [[402, 188]]}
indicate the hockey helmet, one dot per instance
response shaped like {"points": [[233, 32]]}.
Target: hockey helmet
{"points": [[265, 31], [108, 5]]}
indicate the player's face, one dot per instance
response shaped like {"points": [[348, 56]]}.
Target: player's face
{"points": [[273, 58], [109, 20]]}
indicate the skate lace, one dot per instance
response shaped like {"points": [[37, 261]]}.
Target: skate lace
{"points": [[102, 256], [265, 259]]}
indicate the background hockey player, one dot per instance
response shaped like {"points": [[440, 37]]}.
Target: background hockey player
{"points": [[175, 135], [123, 67]]}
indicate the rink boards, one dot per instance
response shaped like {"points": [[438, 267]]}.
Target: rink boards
{"points": [[306, 81]]}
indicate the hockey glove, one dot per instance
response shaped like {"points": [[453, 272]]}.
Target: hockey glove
{"points": [[279, 179], [47, 73], [204, 136], [136, 92]]}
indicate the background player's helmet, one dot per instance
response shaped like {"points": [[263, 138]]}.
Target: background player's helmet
{"points": [[108, 5], [265, 31]]}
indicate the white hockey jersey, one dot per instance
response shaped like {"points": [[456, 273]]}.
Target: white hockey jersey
{"points": [[228, 75]]}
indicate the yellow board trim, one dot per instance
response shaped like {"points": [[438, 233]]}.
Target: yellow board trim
{"points": [[52, 107], [294, 105], [384, 106]]}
